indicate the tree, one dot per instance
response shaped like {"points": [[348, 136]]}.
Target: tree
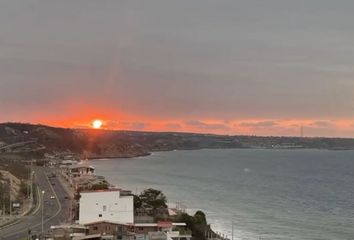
{"points": [[200, 225], [100, 186], [197, 224], [23, 188], [200, 218], [152, 198], [137, 202]]}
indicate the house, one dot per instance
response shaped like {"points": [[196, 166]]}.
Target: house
{"points": [[67, 231], [162, 226], [71, 170], [88, 237], [79, 170], [86, 182], [153, 231], [105, 205], [108, 228], [69, 162]]}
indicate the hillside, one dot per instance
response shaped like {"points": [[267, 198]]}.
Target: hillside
{"points": [[36, 140]]}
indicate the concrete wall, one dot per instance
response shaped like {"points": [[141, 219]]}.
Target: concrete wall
{"points": [[106, 206], [107, 228]]}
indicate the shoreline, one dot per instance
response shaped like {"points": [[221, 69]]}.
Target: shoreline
{"points": [[122, 157], [219, 222], [197, 149]]}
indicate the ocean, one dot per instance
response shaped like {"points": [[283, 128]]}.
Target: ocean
{"points": [[264, 194]]}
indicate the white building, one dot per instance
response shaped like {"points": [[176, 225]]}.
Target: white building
{"points": [[105, 205]]}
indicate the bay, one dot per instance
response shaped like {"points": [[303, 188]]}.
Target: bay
{"points": [[266, 194]]}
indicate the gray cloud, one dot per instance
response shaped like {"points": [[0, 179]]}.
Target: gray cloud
{"points": [[173, 126], [111, 124], [261, 124], [206, 126], [199, 59], [133, 125], [323, 124]]}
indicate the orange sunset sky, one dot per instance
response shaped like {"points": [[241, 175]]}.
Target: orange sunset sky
{"points": [[231, 67]]}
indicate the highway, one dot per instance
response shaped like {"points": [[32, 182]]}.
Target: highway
{"points": [[56, 206]]}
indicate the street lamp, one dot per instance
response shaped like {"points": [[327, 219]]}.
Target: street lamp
{"points": [[43, 211], [31, 186]]}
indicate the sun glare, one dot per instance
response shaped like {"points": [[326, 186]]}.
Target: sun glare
{"points": [[97, 124]]}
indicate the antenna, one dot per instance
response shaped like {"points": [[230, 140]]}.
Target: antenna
{"points": [[301, 131]]}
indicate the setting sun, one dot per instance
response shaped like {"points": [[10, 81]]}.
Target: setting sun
{"points": [[97, 124]]}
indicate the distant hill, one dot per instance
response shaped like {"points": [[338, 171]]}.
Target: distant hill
{"points": [[20, 138]]}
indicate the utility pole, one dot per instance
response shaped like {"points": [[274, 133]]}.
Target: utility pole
{"points": [[42, 212], [3, 199], [28, 181], [3, 202], [31, 182], [10, 198]]}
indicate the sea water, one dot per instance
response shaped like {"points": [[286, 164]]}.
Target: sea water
{"points": [[265, 194]]}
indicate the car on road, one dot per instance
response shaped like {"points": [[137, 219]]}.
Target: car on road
{"points": [[52, 197]]}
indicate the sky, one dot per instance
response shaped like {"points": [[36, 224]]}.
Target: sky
{"points": [[250, 67]]}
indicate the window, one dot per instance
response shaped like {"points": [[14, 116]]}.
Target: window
{"points": [[104, 208], [95, 228], [99, 215]]}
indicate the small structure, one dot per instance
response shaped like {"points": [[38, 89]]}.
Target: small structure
{"points": [[79, 170], [163, 226], [109, 228], [88, 237], [105, 205], [152, 231], [69, 162], [67, 231]]}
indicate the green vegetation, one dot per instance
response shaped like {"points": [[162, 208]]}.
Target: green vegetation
{"points": [[152, 198], [155, 200], [20, 171], [5, 196], [100, 186], [151, 202], [96, 186], [16, 168], [24, 190], [197, 224]]}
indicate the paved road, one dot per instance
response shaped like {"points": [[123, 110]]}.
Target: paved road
{"points": [[18, 144], [56, 210]]}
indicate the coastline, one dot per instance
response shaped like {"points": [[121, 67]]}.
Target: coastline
{"points": [[145, 172], [119, 156], [127, 156]]}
